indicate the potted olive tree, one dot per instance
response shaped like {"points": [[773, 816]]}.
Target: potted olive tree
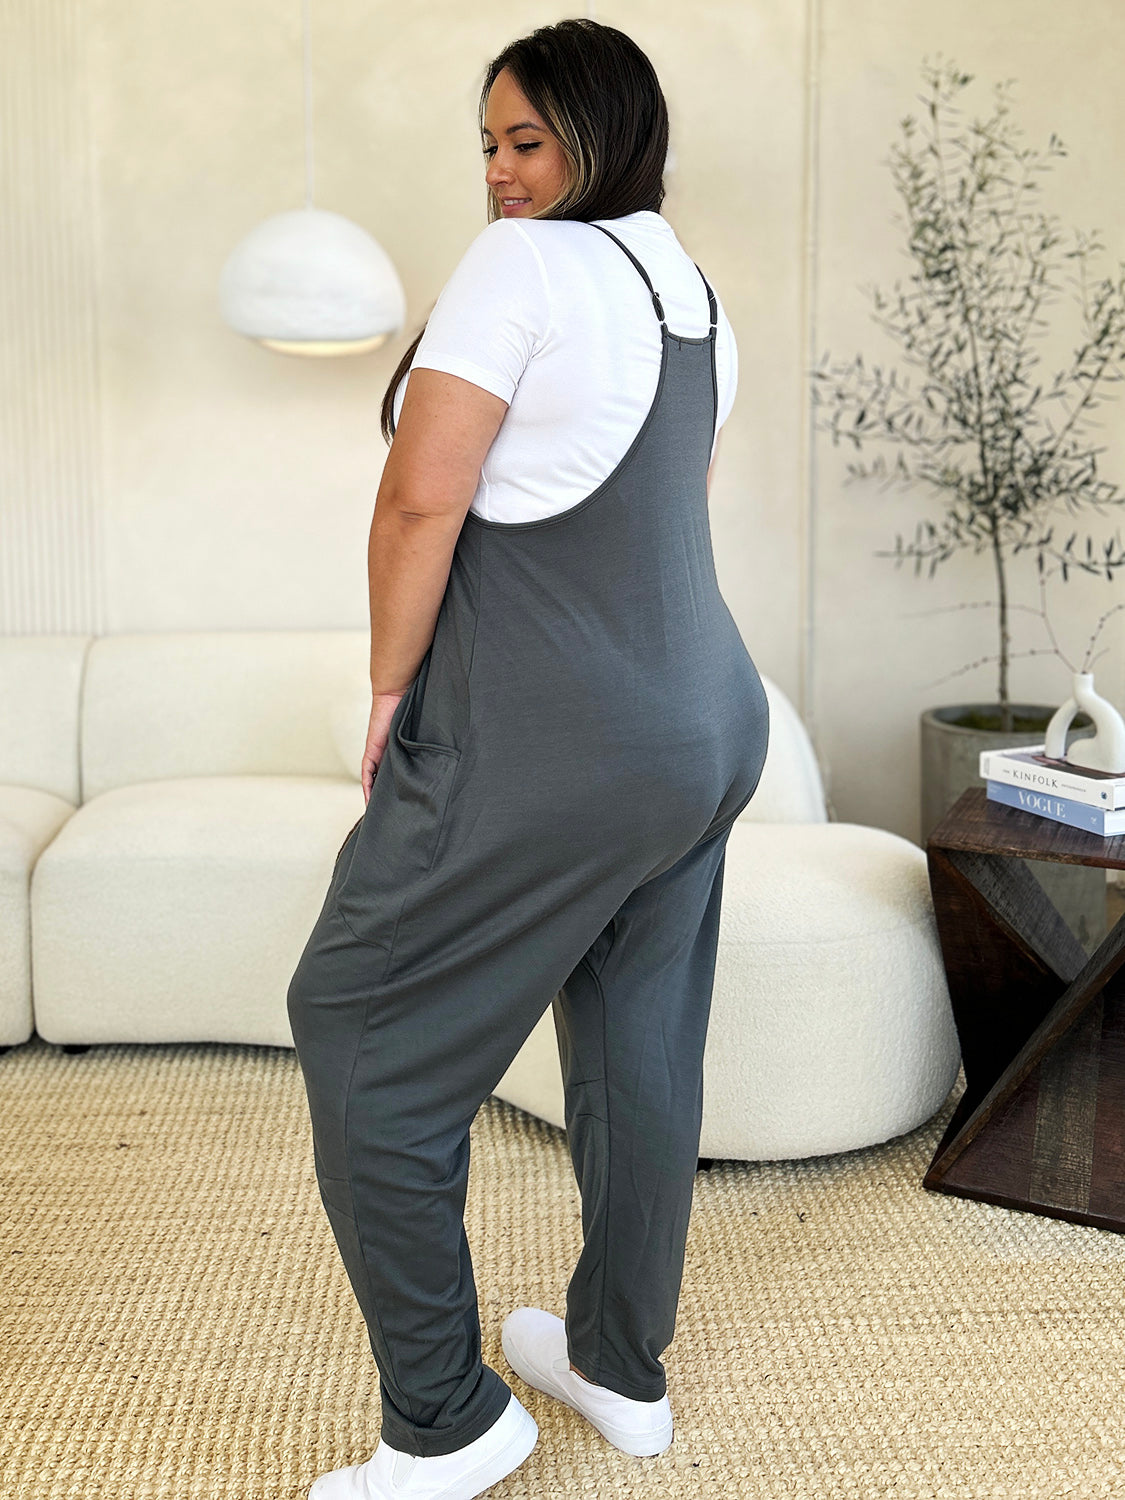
{"points": [[1000, 446]]}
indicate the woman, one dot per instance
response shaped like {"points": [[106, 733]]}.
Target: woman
{"points": [[565, 723]]}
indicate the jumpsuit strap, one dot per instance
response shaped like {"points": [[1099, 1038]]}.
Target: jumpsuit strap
{"points": [[711, 304], [656, 302]]}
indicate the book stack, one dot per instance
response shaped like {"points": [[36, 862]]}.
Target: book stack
{"points": [[1026, 778]]}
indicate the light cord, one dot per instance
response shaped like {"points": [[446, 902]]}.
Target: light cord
{"points": [[308, 107]]}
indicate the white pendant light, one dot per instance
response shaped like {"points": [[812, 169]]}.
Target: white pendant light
{"points": [[308, 281]]}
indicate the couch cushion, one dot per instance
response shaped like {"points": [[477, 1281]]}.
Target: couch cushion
{"points": [[831, 1026], [350, 718], [176, 910], [790, 789], [29, 820], [40, 691], [215, 703]]}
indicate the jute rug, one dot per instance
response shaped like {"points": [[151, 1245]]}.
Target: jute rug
{"points": [[176, 1321]]}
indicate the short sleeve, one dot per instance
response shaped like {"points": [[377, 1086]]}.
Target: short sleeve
{"points": [[730, 383], [493, 313]]}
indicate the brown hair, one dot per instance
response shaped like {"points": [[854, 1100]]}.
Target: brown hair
{"points": [[600, 97]]}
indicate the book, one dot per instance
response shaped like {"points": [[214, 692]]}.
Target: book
{"points": [[1027, 766], [1098, 820]]}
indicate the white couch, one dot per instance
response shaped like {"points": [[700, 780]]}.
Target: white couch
{"points": [[171, 806]]}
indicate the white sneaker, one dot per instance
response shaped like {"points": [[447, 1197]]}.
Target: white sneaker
{"points": [[534, 1344], [461, 1475]]}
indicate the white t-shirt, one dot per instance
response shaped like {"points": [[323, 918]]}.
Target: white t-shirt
{"points": [[554, 318]]}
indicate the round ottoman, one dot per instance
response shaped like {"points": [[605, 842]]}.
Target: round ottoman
{"points": [[831, 1026]]}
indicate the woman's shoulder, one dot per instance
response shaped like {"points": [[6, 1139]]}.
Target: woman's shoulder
{"points": [[646, 235], [497, 257], [523, 253], [587, 232], [573, 237], [498, 238], [564, 264], [575, 252]]}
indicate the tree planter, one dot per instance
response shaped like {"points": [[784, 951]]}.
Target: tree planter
{"points": [[976, 429], [952, 738]]}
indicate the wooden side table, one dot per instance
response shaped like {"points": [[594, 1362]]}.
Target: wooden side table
{"points": [[1041, 1125]]}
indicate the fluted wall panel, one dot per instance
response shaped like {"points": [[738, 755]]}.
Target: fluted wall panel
{"points": [[51, 557]]}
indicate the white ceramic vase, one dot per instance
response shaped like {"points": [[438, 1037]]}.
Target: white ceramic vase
{"points": [[1104, 750]]}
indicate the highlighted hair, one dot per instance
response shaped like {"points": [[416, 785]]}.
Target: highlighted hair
{"points": [[599, 96]]}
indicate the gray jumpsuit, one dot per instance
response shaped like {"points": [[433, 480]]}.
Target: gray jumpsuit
{"points": [[548, 826]]}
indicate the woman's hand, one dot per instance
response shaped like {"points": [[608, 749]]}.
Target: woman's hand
{"points": [[444, 432], [383, 706]]}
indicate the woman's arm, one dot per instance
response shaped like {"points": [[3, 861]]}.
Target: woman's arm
{"points": [[429, 479], [445, 430], [714, 461]]}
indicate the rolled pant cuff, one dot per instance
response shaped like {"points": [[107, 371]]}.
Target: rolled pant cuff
{"points": [[492, 1396], [622, 1384]]}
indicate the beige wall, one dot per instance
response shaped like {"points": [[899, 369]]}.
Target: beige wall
{"points": [[882, 638], [225, 486]]}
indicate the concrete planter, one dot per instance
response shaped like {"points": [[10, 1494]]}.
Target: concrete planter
{"points": [[952, 738]]}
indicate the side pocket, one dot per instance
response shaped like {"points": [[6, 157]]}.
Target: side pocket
{"points": [[337, 866], [399, 837], [411, 706], [344, 845]]}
